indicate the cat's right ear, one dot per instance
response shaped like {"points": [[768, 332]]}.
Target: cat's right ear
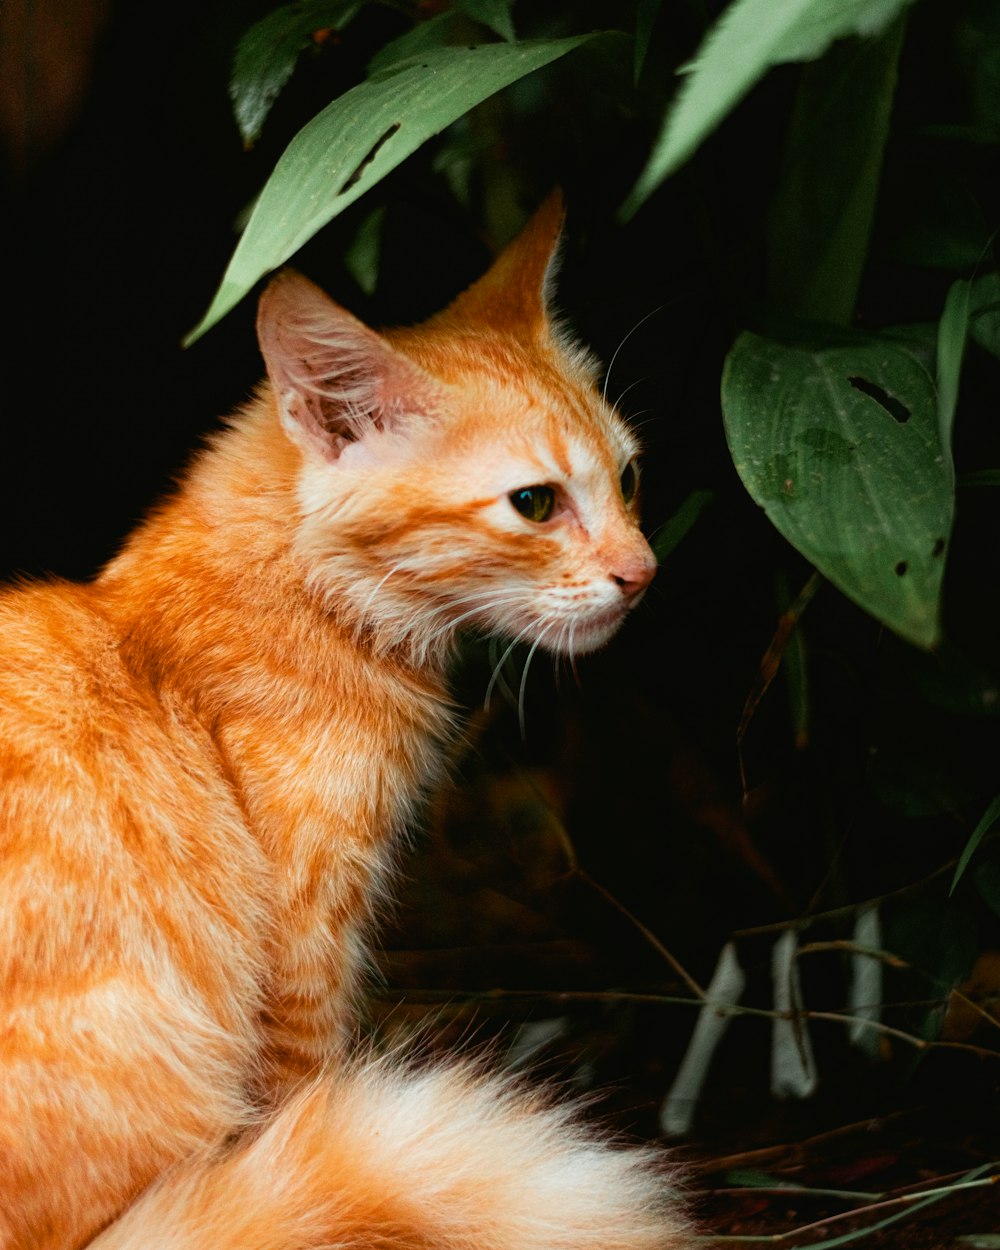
{"points": [[334, 379]]}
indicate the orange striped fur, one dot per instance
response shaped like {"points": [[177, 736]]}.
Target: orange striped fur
{"points": [[208, 755]]}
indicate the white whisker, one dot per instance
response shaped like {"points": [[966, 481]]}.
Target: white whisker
{"points": [[640, 322], [481, 603], [496, 671], [634, 383], [395, 569], [524, 675]]}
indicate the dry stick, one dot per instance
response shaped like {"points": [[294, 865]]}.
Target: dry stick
{"points": [[920, 1043], [576, 869], [895, 961], [646, 932], [838, 913], [797, 1149], [923, 1198], [852, 948]]}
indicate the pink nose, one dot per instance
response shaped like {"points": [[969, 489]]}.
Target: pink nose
{"points": [[634, 576]]}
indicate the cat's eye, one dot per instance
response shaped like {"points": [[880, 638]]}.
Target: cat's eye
{"points": [[534, 502], [629, 481]]}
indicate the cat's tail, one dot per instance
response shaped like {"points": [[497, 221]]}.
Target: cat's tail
{"points": [[384, 1156]]}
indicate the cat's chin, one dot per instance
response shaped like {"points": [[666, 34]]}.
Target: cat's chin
{"points": [[587, 635]]}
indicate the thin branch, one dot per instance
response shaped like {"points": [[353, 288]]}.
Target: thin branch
{"points": [[912, 1201], [919, 1043], [852, 948], [801, 923], [577, 869], [797, 1150], [646, 932]]}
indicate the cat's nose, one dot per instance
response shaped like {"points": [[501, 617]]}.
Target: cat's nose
{"points": [[632, 577]]}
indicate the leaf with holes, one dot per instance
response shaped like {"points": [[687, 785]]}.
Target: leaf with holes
{"points": [[839, 445], [355, 141]]}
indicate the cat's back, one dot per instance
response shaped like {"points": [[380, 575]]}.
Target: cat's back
{"points": [[73, 707], [118, 829], [59, 664]]}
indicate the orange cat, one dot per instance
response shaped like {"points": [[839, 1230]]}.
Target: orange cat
{"points": [[208, 755]]}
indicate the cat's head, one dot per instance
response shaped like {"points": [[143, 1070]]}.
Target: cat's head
{"points": [[464, 473]]}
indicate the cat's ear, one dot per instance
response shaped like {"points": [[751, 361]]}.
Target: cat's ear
{"points": [[335, 380], [513, 295]]}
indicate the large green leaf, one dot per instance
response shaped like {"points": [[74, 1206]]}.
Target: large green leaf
{"points": [[824, 204], [750, 37], [358, 139], [839, 444]]}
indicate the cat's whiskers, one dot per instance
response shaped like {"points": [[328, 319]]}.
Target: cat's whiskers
{"points": [[497, 668], [631, 386], [481, 602], [378, 586], [524, 675], [642, 321]]}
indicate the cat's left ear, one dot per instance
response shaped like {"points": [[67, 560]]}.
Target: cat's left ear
{"points": [[334, 379], [513, 295]]}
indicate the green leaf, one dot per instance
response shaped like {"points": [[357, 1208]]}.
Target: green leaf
{"points": [[822, 211], [434, 33], [268, 52], [750, 37], [989, 819], [493, 14], [953, 330], [647, 12], [984, 318], [672, 532], [365, 252], [838, 443], [355, 141]]}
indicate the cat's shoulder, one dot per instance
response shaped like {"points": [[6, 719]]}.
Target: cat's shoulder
{"points": [[60, 650]]}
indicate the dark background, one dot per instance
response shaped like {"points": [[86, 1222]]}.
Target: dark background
{"points": [[565, 857]]}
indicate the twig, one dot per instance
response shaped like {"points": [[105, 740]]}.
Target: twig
{"points": [[913, 1202], [852, 948], [646, 932], [797, 1150], [919, 1043], [802, 923], [576, 869]]}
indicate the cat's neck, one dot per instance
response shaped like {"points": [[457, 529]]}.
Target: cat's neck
{"points": [[214, 570], [212, 605]]}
